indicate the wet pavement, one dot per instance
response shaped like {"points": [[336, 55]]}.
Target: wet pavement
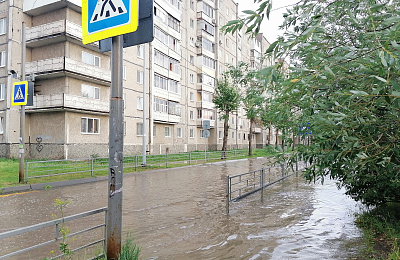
{"points": [[180, 214]]}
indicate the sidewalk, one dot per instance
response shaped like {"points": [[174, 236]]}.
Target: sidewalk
{"points": [[56, 184]]}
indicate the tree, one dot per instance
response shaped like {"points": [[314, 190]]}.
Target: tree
{"points": [[226, 100], [251, 94], [345, 81]]}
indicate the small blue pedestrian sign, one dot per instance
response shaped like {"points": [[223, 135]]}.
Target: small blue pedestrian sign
{"points": [[20, 93], [107, 18]]}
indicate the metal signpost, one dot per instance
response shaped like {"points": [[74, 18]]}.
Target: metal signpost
{"points": [[100, 20]]}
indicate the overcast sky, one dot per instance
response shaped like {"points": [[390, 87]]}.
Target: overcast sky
{"points": [[269, 27]]}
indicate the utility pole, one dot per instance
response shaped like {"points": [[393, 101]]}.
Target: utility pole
{"points": [[116, 143], [22, 115]]}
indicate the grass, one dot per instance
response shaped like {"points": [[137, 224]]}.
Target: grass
{"points": [[9, 168], [381, 229]]}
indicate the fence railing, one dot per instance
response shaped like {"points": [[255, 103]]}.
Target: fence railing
{"points": [[94, 166], [245, 184], [57, 233]]}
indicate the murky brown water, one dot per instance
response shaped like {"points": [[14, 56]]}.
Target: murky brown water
{"points": [[180, 214]]}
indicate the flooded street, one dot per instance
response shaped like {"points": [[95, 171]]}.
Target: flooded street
{"points": [[180, 214]]}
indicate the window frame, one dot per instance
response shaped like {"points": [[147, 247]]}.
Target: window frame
{"points": [[87, 125]]}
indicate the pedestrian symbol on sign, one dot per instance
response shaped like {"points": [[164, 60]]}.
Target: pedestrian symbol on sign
{"points": [[19, 95], [108, 9]]}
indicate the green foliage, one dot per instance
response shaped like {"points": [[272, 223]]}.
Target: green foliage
{"points": [[129, 250], [345, 80], [63, 229], [381, 228]]}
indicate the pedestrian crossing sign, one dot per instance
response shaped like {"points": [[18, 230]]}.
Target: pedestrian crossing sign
{"points": [[19, 93], [103, 19]]}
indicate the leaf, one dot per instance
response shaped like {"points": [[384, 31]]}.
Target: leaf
{"points": [[396, 93], [329, 70], [249, 12], [381, 79], [395, 84], [271, 47], [391, 20], [359, 92]]}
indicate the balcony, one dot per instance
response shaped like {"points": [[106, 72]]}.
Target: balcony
{"points": [[205, 87], [165, 118], [58, 31], [56, 102], [63, 66], [205, 105], [257, 130], [200, 123]]}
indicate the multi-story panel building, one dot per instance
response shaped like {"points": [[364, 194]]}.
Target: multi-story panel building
{"points": [[171, 79]]}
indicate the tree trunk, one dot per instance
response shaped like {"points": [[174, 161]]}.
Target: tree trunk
{"points": [[225, 140], [251, 137]]}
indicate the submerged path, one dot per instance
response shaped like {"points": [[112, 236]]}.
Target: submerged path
{"points": [[180, 214]]}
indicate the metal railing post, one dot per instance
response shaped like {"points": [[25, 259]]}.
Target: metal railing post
{"points": [[262, 185], [91, 166], [135, 163], [166, 160], [190, 157], [227, 195]]}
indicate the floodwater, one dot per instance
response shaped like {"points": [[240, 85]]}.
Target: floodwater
{"points": [[181, 214]]}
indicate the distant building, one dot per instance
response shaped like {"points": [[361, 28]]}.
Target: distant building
{"points": [[69, 118]]}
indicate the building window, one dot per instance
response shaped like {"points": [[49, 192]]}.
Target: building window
{"points": [[179, 132], [167, 131], [1, 126], [2, 58], [191, 133], [192, 4], [233, 135], [90, 91], [220, 134], [191, 59], [208, 62], [191, 78], [191, 115], [238, 136], [140, 51], [191, 23], [139, 129], [208, 10], [3, 26], [90, 59], [2, 91], [90, 125], [154, 130], [140, 77], [191, 96], [139, 104]]}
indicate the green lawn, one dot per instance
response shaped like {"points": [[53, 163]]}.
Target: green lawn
{"points": [[9, 167]]}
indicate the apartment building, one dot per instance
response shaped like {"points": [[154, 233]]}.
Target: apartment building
{"points": [[171, 79]]}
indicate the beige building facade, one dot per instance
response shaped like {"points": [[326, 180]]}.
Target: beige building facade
{"points": [[178, 71]]}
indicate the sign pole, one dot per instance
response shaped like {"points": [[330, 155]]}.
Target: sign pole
{"points": [[116, 143], [144, 107], [22, 115]]}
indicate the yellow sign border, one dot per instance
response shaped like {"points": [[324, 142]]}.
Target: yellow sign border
{"points": [[123, 29], [26, 94]]}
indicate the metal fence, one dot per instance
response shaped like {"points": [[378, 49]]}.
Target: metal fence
{"points": [[245, 184], [99, 166], [56, 225]]}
